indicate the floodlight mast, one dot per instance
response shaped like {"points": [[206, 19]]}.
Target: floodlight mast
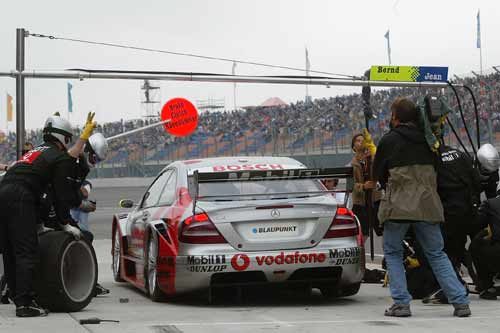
{"points": [[20, 74]]}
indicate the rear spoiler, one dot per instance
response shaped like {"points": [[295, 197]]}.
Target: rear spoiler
{"points": [[260, 175]]}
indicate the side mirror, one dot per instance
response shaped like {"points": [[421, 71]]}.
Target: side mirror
{"points": [[126, 203]]}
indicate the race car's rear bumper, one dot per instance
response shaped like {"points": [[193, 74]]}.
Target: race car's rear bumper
{"points": [[318, 267]]}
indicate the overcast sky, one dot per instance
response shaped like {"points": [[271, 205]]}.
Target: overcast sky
{"points": [[342, 37]]}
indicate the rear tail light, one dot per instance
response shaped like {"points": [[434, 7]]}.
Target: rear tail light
{"points": [[344, 224], [198, 229]]}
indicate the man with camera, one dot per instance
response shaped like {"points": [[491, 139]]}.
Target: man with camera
{"points": [[406, 168]]}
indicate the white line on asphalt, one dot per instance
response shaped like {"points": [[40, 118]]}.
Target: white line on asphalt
{"points": [[320, 322], [276, 321]]}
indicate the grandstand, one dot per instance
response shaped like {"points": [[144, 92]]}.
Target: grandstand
{"points": [[325, 126]]}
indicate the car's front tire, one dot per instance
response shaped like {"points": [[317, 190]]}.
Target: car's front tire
{"points": [[117, 257], [150, 271]]}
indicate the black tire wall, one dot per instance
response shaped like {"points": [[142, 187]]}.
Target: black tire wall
{"points": [[58, 248]]}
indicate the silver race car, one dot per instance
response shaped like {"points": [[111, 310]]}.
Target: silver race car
{"points": [[235, 221]]}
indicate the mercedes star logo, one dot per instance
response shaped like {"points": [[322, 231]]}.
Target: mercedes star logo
{"points": [[275, 213]]}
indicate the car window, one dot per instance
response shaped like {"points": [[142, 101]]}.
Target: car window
{"points": [[152, 195], [167, 196], [276, 189]]}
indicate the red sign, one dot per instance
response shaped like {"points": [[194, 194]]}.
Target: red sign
{"points": [[183, 117]]}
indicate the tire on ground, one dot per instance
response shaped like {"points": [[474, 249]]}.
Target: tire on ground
{"points": [[67, 273]]}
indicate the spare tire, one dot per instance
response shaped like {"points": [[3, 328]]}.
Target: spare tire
{"points": [[67, 273]]}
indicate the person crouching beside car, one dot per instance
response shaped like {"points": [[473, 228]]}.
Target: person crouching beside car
{"points": [[485, 248]]}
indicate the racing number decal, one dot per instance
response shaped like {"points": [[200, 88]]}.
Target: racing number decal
{"points": [[30, 156], [235, 262]]}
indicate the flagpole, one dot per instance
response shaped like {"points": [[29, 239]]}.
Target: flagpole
{"points": [[234, 85], [307, 74], [481, 59], [479, 41], [388, 37]]}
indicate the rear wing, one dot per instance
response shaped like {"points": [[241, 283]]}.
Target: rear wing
{"points": [[261, 175]]}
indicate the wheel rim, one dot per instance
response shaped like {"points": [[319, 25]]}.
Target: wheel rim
{"points": [[116, 255], [78, 273], [152, 255]]}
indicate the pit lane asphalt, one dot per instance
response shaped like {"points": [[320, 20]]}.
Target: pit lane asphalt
{"points": [[259, 312]]}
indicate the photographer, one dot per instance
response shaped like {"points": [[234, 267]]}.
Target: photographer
{"points": [[406, 167]]}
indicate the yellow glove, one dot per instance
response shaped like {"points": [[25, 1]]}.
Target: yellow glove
{"points": [[89, 126], [412, 262], [369, 145], [490, 233]]}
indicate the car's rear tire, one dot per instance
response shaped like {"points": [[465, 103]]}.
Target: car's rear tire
{"points": [[116, 265], [67, 273], [150, 271], [329, 292], [350, 290]]}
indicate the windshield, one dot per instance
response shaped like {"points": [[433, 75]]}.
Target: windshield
{"points": [[254, 190]]}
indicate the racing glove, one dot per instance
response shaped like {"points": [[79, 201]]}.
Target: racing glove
{"points": [[74, 231], [89, 127], [41, 229], [369, 145]]}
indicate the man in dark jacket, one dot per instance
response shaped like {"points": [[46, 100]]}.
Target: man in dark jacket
{"points": [[485, 248], [458, 188], [20, 195], [405, 166]]}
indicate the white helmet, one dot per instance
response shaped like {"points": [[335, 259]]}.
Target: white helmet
{"points": [[488, 157], [97, 146], [59, 128]]}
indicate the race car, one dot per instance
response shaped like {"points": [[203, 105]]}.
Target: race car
{"points": [[237, 221]]}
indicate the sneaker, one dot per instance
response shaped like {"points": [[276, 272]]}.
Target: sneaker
{"points": [[31, 310], [4, 299], [489, 294], [461, 310], [398, 310], [100, 290]]}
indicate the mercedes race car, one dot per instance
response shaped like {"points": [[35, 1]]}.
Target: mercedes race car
{"points": [[222, 222]]}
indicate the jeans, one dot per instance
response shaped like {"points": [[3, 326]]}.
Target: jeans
{"points": [[81, 217], [431, 240]]}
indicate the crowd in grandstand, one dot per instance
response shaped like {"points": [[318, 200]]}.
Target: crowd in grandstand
{"points": [[323, 124]]}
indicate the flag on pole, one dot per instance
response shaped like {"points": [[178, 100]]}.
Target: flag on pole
{"points": [[9, 108], [70, 98], [308, 64], [388, 37], [478, 41]]}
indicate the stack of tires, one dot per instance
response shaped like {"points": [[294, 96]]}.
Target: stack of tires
{"points": [[67, 273]]}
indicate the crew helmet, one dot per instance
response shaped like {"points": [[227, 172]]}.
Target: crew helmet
{"points": [[97, 148], [488, 157], [58, 128]]}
